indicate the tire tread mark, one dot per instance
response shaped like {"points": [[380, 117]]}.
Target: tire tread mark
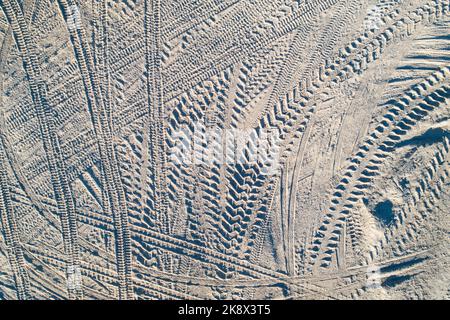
{"points": [[114, 201], [57, 168]]}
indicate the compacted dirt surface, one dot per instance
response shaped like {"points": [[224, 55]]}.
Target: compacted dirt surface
{"points": [[232, 149]]}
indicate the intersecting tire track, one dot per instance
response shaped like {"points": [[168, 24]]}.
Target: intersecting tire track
{"points": [[10, 232], [248, 192], [114, 198], [404, 113], [353, 58], [427, 192], [62, 189]]}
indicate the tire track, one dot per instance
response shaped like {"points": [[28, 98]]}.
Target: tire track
{"points": [[402, 115], [154, 149], [353, 58], [62, 189], [428, 189], [9, 230], [114, 201]]}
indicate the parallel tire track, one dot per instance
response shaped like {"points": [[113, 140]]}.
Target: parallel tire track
{"points": [[58, 172], [10, 233], [114, 201], [402, 115]]}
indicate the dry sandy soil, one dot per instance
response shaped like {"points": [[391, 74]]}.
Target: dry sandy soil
{"points": [[232, 149]]}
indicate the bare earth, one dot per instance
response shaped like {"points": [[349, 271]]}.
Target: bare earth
{"points": [[232, 149]]}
